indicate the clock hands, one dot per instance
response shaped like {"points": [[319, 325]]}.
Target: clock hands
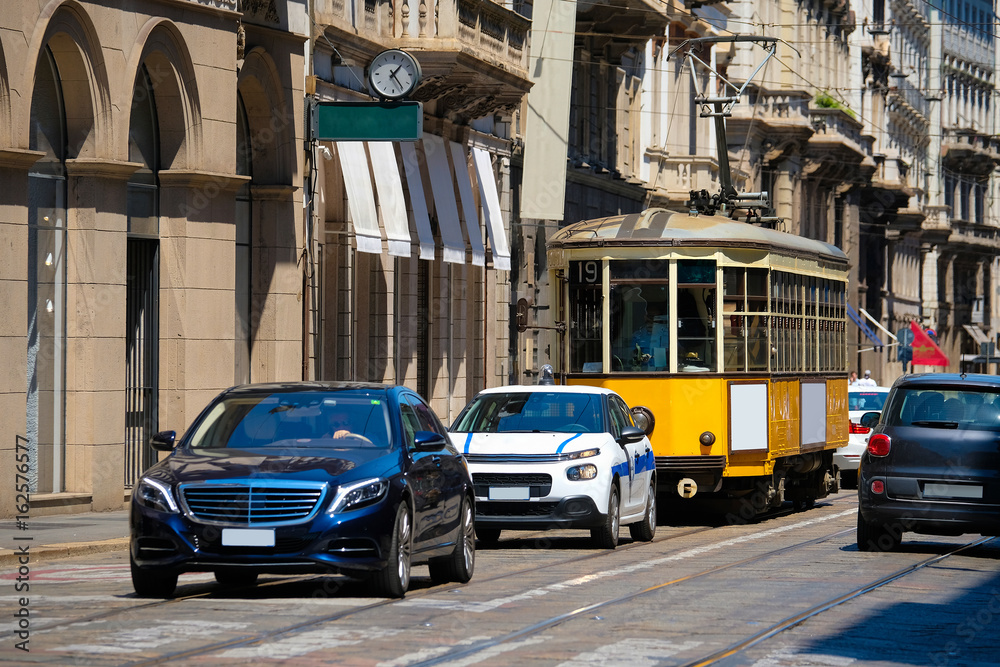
{"points": [[392, 75]]}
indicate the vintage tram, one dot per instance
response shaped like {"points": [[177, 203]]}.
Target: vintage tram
{"points": [[731, 334]]}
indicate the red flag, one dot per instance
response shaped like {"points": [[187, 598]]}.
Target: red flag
{"points": [[925, 351]]}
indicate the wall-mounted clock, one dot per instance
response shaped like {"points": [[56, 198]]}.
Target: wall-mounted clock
{"points": [[393, 74]]}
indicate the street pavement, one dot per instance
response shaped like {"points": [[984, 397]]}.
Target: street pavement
{"points": [[64, 535]]}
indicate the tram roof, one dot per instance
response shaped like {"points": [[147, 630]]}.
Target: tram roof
{"points": [[660, 227]]}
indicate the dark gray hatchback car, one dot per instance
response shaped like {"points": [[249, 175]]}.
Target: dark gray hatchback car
{"points": [[933, 460]]}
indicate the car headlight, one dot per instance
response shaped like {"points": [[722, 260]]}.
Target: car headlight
{"points": [[586, 471], [155, 495], [359, 494], [585, 454]]}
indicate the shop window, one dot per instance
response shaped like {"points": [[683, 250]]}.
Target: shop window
{"points": [[46, 353]]}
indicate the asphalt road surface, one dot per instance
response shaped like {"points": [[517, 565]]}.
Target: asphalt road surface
{"points": [[789, 589]]}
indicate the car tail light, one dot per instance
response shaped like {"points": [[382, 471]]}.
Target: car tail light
{"points": [[878, 487], [878, 444], [858, 428]]}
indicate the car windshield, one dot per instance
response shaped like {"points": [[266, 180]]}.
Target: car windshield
{"points": [[944, 407], [296, 420], [866, 400], [529, 412]]}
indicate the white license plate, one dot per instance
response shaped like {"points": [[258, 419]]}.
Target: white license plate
{"points": [[510, 493], [248, 537], [952, 491]]}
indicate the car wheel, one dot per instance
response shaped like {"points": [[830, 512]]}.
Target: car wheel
{"points": [[393, 579], [462, 561], [236, 578], [646, 529], [488, 536], [152, 583], [876, 536], [849, 479], [606, 536]]}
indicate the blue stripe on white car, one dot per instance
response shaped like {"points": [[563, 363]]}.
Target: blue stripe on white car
{"points": [[566, 442]]}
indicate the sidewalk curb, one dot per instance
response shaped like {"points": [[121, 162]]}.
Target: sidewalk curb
{"points": [[50, 551]]}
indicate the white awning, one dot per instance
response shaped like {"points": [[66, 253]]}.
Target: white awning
{"points": [[977, 334], [360, 198], [491, 210], [415, 186], [442, 185], [469, 211], [390, 197]]}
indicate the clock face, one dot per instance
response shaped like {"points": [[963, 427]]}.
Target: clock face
{"points": [[393, 74]]}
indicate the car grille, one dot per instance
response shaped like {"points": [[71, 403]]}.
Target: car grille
{"points": [[539, 484], [514, 508], [254, 503]]}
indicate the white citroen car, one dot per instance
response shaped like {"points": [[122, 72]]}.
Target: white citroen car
{"points": [[859, 401], [555, 456]]}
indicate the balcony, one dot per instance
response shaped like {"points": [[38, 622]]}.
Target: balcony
{"points": [[838, 149], [674, 177], [907, 103], [967, 44], [968, 152], [473, 53], [782, 117], [974, 236], [616, 24]]}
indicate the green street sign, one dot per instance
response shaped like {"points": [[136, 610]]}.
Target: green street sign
{"points": [[369, 121]]}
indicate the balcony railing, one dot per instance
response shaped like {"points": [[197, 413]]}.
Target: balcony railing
{"points": [[905, 94], [781, 106], [969, 45], [482, 28]]}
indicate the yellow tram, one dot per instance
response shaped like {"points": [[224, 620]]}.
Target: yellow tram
{"points": [[731, 334]]}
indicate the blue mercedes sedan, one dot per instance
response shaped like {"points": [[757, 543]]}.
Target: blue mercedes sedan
{"points": [[348, 478]]}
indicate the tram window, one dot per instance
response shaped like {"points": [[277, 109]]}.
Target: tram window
{"points": [[640, 316], [733, 319], [696, 315], [757, 290], [758, 349], [585, 348]]}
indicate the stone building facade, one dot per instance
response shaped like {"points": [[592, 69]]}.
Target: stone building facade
{"points": [[150, 224], [930, 78], [412, 237]]}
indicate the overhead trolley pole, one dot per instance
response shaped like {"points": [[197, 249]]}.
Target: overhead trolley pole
{"points": [[719, 107]]}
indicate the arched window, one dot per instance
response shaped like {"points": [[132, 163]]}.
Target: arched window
{"points": [[142, 281], [143, 148], [47, 280], [244, 167]]}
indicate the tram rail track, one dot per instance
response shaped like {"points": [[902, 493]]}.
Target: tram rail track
{"points": [[308, 624], [217, 592]]}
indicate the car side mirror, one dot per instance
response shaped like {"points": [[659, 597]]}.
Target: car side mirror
{"points": [[870, 419], [163, 441], [631, 434], [428, 441], [643, 418]]}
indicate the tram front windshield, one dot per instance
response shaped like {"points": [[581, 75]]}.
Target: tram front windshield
{"points": [[645, 336]]}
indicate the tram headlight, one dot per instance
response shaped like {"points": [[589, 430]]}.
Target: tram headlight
{"points": [[707, 438], [577, 473]]}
